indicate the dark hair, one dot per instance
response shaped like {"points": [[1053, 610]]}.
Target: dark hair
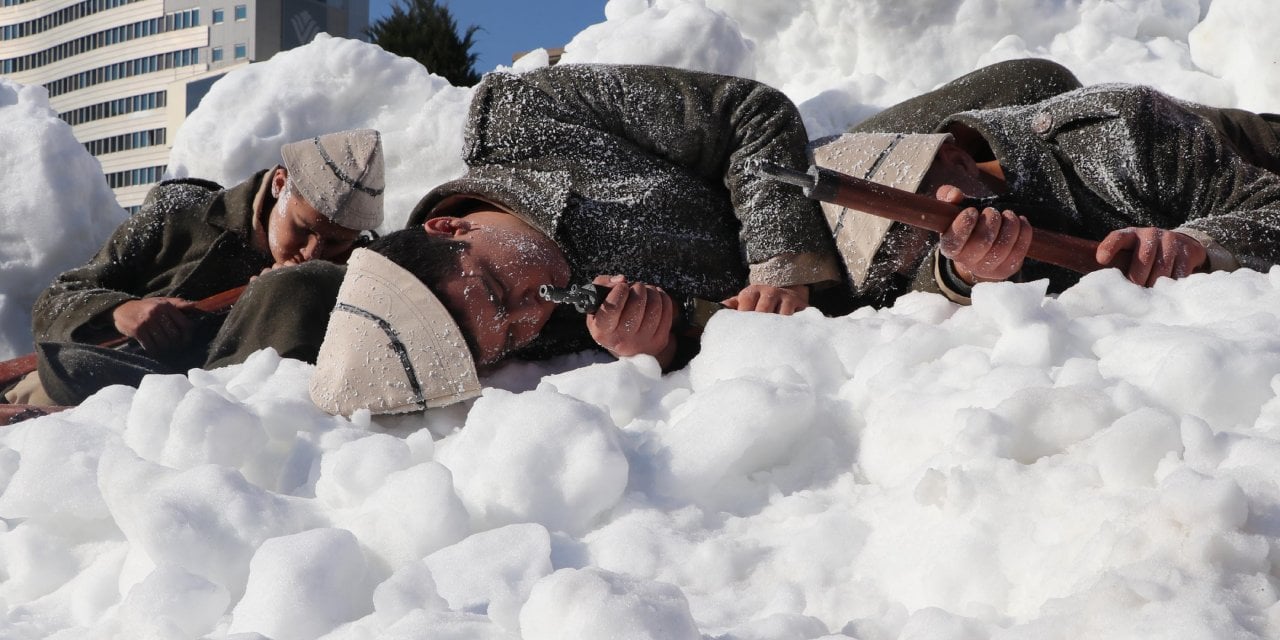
{"points": [[432, 259]]}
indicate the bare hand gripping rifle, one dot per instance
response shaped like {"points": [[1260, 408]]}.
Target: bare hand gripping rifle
{"points": [[692, 314], [12, 370], [921, 211]]}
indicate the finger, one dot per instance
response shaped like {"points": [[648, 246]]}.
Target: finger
{"points": [[955, 237], [633, 315], [1115, 243], [950, 193], [730, 303], [767, 302], [610, 312], [1002, 246], [1165, 258], [1188, 259], [788, 305], [1181, 266], [1144, 257], [982, 239], [748, 299], [652, 314]]}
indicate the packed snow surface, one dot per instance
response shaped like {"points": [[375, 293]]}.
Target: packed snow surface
{"points": [[1102, 464]]}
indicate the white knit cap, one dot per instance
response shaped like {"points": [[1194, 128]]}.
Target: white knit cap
{"points": [[341, 175], [391, 346], [892, 159]]}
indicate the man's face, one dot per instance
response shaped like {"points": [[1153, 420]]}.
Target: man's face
{"points": [[953, 166], [296, 232], [495, 296]]}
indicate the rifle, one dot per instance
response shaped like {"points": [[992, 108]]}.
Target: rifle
{"points": [[692, 314], [921, 211], [12, 370], [15, 413]]}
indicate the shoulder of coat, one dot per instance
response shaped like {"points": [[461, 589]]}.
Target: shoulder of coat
{"points": [[179, 194]]}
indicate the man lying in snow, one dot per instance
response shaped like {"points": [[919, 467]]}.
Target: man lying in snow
{"points": [[193, 239], [1086, 162], [634, 177]]}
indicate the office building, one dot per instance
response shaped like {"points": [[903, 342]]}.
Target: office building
{"points": [[125, 73]]}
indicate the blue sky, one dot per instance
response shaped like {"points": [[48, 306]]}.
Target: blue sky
{"points": [[515, 25]]}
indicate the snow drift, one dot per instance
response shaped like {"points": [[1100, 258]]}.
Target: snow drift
{"points": [[1101, 464]]}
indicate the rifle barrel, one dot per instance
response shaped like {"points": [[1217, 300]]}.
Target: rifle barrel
{"points": [[584, 298], [783, 174]]}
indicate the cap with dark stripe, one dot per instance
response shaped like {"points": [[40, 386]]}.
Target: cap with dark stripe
{"points": [[341, 175]]}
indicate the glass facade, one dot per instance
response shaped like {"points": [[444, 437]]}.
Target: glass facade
{"points": [[107, 37], [131, 177], [117, 107], [126, 69], [127, 141], [59, 18]]}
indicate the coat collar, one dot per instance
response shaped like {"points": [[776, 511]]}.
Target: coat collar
{"points": [[238, 208], [1022, 139]]}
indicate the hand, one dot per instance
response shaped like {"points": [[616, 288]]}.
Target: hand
{"points": [[1153, 253], [769, 299], [984, 246], [279, 265], [158, 324], [634, 319]]}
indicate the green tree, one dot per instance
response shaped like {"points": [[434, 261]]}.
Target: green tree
{"points": [[426, 31]]}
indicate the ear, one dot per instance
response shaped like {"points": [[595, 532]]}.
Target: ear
{"points": [[447, 226], [278, 178]]}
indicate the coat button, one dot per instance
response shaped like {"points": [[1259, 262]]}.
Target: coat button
{"points": [[1042, 123]]}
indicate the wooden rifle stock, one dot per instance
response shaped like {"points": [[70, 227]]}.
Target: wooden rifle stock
{"points": [[12, 370], [1070, 252]]}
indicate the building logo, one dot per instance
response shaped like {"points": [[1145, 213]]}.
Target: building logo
{"points": [[305, 27], [301, 21]]}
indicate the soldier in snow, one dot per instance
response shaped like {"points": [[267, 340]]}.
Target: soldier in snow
{"points": [[634, 177], [193, 239]]}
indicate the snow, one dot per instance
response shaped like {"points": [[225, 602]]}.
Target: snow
{"points": [[56, 210], [1101, 464]]}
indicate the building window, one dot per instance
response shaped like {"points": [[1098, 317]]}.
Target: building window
{"points": [[242, 12], [217, 16], [241, 51], [120, 70], [216, 54]]}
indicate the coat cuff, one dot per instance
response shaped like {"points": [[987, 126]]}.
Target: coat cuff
{"points": [[90, 321], [1220, 258], [950, 284], [790, 269]]}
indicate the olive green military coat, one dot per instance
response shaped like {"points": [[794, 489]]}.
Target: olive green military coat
{"points": [[190, 240]]}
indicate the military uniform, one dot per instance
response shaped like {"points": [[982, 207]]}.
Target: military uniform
{"points": [[190, 240], [641, 171], [1093, 160]]}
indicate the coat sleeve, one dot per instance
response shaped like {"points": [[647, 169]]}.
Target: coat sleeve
{"points": [[710, 125], [1225, 202], [77, 306]]}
